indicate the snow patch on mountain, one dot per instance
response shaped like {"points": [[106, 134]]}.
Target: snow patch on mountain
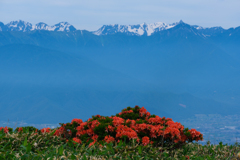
{"points": [[198, 27], [159, 26], [63, 26], [41, 26], [26, 26], [139, 30], [19, 26]]}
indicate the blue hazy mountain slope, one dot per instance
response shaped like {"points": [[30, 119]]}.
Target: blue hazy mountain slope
{"points": [[33, 65], [40, 104], [183, 67], [38, 83], [177, 59]]}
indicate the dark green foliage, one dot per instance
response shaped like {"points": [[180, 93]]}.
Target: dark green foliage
{"points": [[27, 129], [133, 116], [10, 130], [141, 121], [70, 127], [100, 131], [51, 147], [85, 138]]}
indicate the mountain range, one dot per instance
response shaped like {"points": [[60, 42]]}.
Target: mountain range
{"points": [[26, 26], [175, 70], [140, 29]]}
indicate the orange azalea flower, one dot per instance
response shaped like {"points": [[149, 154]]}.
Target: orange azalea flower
{"points": [[93, 124], [5, 129], [142, 127], [20, 129], [132, 122], [79, 133], [77, 140], [125, 112], [109, 139], [142, 111], [155, 120], [167, 130], [195, 134], [109, 128], [94, 137], [156, 130], [138, 140], [90, 132], [59, 131], [81, 127], [169, 119], [117, 121], [148, 114], [79, 121], [45, 130], [145, 140], [92, 143], [126, 131], [36, 132], [102, 118]]}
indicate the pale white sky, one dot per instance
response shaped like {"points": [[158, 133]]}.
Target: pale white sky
{"points": [[92, 14]]}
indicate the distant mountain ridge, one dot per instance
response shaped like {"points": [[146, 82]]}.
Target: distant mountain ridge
{"points": [[139, 29], [26, 26]]}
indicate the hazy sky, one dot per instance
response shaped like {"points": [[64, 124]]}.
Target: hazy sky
{"points": [[92, 14]]}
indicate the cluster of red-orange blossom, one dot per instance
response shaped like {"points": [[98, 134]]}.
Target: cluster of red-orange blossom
{"points": [[154, 127], [20, 129]]}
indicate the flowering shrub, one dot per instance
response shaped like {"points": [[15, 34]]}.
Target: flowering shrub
{"points": [[20, 129], [130, 124], [46, 130], [145, 140], [4, 129], [77, 140], [26, 129], [109, 139]]}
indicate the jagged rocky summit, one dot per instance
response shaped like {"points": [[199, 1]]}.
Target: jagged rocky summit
{"points": [[26, 26], [138, 30]]}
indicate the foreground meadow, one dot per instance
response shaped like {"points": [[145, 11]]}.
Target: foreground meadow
{"points": [[132, 134]]}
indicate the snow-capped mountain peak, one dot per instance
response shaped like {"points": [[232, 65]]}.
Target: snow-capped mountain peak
{"points": [[19, 26], [159, 26], [26, 26], [139, 29], [41, 26], [63, 26], [142, 29]]}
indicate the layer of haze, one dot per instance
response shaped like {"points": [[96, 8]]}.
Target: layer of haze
{"points": [[92, 14]]}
